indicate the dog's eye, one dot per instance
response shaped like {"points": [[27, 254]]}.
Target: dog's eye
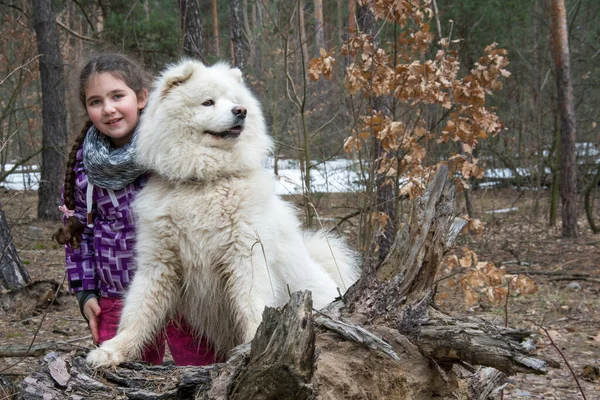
{"points": [[208, 103]]}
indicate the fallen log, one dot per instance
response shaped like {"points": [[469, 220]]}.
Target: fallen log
{"points": [[39, 349], [383, 339]]}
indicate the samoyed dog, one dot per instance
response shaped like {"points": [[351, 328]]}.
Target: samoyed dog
{"points": [[215, 244]]}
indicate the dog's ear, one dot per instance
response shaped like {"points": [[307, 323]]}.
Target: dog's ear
{"points": [[177, 77], [237, 74]]}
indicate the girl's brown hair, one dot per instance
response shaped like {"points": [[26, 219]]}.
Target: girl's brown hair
{"points": [[130, 72]]}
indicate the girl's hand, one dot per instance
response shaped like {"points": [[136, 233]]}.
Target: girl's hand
{"points": [[91, 310]]}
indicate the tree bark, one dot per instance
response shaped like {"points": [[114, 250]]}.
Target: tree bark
{"points": [[215, 14], [54, 114], [383, 339], [588, 200], [566, 105], [237, 45], [539, 97], [319, 31], [352, 27], [191, 29], [340, 23], [302, 33], [554, 160], [13, 274]]}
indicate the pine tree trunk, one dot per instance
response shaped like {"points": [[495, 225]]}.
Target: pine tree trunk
{"points": [[302, 31], [237, 46], [340, 23], [588, 200], [554, 159], [54, 114], [191, 29], [566, 105], [319, 31], [215, 14], [352, 27]]}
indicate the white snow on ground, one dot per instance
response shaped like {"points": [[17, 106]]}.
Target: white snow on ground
{"points": [[333, 176], [502, 210], [27, 178], [503, 173]]}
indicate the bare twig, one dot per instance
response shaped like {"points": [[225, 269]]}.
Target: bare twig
{"points": [[20, 67], [72, 32], [38, 328], [563, 357]]}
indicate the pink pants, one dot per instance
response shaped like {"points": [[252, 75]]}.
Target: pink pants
{"points": [[185, 348]]}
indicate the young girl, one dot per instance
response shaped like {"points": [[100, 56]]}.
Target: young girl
{"points": [[101, 182]]}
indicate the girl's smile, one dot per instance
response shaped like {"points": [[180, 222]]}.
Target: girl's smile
{"points": [[113, 107]]}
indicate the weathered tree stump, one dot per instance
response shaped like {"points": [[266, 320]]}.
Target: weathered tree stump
{"points": [[383, 339], [13, 274]]}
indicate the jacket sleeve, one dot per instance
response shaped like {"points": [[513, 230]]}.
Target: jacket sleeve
{"points": [[81, 266]]}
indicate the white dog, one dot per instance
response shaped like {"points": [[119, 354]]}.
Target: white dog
{"points": [[215, 243]]}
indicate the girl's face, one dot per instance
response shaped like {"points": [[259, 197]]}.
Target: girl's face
{"points": [[113, 107]]}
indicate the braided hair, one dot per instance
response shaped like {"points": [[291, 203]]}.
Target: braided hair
{"points": [[130, 72]]}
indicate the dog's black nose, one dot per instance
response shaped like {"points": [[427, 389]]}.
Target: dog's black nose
{"points": [[239, 112]]}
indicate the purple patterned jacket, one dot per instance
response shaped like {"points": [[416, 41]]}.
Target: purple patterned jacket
{"points": [[104, 262]]}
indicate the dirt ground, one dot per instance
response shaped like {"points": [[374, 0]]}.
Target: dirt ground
{"points": [[567, 303]]}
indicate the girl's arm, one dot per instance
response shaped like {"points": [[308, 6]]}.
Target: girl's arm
{"points": [[81, 268]]}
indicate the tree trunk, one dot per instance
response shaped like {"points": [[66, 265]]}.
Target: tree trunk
{"points": [[248, 39], [237, 46], [352, 28], [564, 88], [554, 160], [215, 14], [319, 31], [302, 32], [13, 274], [383, 339], [588, 200], [54, 114], [340, 23], [191, 29]]}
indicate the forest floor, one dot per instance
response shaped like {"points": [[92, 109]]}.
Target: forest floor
{"points": [[567, 273]]}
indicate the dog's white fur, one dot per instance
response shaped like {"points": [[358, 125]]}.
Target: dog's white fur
{"points": [[215, 244]]}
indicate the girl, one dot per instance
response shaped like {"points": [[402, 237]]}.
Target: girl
{"points": [[101, 182]]}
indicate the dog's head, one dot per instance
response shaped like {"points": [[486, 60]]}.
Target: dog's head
{"points": [[201, 123]]}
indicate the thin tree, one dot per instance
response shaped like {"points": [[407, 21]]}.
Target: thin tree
{"points": [[319, 32], [216, 27], [54, 114], [237, 46], [302, 31], [191, 28], [352, 17], [564, 88], [385, 192], [340, 23]]}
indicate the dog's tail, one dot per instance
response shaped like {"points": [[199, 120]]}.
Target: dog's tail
{"points": [[333, 255]]}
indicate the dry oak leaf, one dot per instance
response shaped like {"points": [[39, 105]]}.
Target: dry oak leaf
{"points": [[321, 65]]}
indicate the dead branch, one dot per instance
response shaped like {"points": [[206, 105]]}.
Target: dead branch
{"points": [[40, 349]]}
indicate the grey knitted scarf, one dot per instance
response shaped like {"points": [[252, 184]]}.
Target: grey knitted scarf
{"points": [[106, 166]]}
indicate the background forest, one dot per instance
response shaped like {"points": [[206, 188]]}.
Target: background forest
{"points": [[386, 96], [309, 119]]}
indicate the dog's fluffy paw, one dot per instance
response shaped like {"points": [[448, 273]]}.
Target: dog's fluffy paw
{"points": [[105, 356]]}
